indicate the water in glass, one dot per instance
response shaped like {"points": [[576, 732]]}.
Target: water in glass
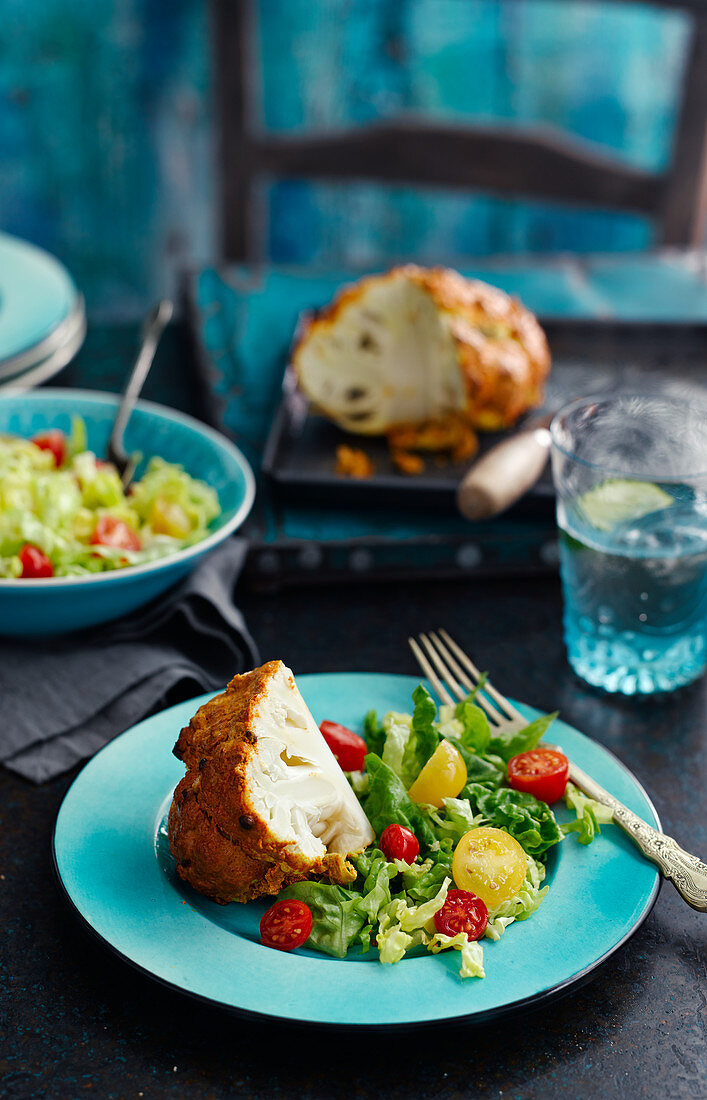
{"points": [[633, 558]]}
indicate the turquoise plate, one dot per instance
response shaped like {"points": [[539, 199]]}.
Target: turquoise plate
{"points": [[42, 321], [113, 861]]}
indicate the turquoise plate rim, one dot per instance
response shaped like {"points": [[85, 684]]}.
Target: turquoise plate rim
{"points": [[28, 262], [150, 921], [217, 536]]}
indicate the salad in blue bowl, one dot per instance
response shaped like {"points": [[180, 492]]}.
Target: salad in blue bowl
{"points": [[75, 548]]}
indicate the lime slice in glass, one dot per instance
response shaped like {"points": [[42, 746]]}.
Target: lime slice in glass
{"points": [[616, 501]]}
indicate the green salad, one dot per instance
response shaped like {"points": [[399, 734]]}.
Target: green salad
{"points": [[446, 870], [63, 511]]}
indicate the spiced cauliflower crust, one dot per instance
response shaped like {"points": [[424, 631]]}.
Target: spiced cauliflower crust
{"points": [[264, 803], [416, 344]]}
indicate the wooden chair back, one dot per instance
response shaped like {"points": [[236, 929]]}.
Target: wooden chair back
{"points": [[540, 163]]}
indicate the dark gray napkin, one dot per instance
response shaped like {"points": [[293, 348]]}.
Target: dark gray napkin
{"points": [[64, 698]]}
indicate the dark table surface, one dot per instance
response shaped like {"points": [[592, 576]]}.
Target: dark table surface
{"points": [[78, 1021]]}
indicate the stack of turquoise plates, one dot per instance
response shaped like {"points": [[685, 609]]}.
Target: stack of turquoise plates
{"points": [[42, 315]]}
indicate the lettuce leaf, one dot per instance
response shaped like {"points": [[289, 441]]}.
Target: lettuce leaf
{"points": [[78, 439], [373, 733], [387, 802], [376, 888], [453, 820], [101, 486], [523, 905], [402, 926], [507, 745], [413, 917], [337, 917], [405, 742], [170, 483], [421, 881], [530, 822], [466, 725], [424, 738], [472, 963], [480, 769], [476, 735], [589, 813], [398, 730], [392, 941]]}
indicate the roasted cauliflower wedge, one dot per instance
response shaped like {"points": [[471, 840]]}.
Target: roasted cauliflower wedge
{"points": [[415, 345], [264, 802]]}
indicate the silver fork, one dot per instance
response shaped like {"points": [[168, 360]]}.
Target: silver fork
{"points": [[444, 662], [154, 325]]}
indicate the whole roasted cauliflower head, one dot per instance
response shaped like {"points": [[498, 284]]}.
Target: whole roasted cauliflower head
{"points": [[416, 344], [264, 802]]}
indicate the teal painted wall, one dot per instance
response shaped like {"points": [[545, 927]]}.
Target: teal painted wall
{"points": [[105, 139], [107, 132]]}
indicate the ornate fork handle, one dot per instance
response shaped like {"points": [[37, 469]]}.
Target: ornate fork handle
{"points": [[687, 872]]}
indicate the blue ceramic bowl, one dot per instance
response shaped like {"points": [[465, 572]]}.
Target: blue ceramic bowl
{"points": [[60, 604]]}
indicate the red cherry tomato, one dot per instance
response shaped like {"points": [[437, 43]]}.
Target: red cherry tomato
{"points": [[397, 842], [541, 772], [35, 562], [348, 748], [54, 441], [286, 925], [462, 912], [115, 532]]}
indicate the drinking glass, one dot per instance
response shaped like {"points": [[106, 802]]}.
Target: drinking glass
{"points": [[630, 474]]}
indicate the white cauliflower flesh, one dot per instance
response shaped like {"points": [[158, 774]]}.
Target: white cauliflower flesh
{"points": [[386, 357], [294, 781]]}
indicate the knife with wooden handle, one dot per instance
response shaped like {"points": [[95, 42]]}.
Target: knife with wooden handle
{"points": [[504, 473]]}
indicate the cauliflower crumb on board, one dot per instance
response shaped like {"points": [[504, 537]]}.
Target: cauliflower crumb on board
{"points": [[353, 462], [407, 463]]}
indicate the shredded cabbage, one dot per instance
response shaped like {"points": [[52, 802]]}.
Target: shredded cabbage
{"points": [[589, 815], [523, 905], [472, 964], [57, 510]]}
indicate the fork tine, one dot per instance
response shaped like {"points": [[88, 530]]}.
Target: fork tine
{"points": [[506, 709], [430, 672], [492, 714], [447, 656], [444, 672], [491, 711]]}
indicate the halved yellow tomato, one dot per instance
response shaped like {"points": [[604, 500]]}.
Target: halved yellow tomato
{"points": [[169, 518], [443, 776], [490, 863]]}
